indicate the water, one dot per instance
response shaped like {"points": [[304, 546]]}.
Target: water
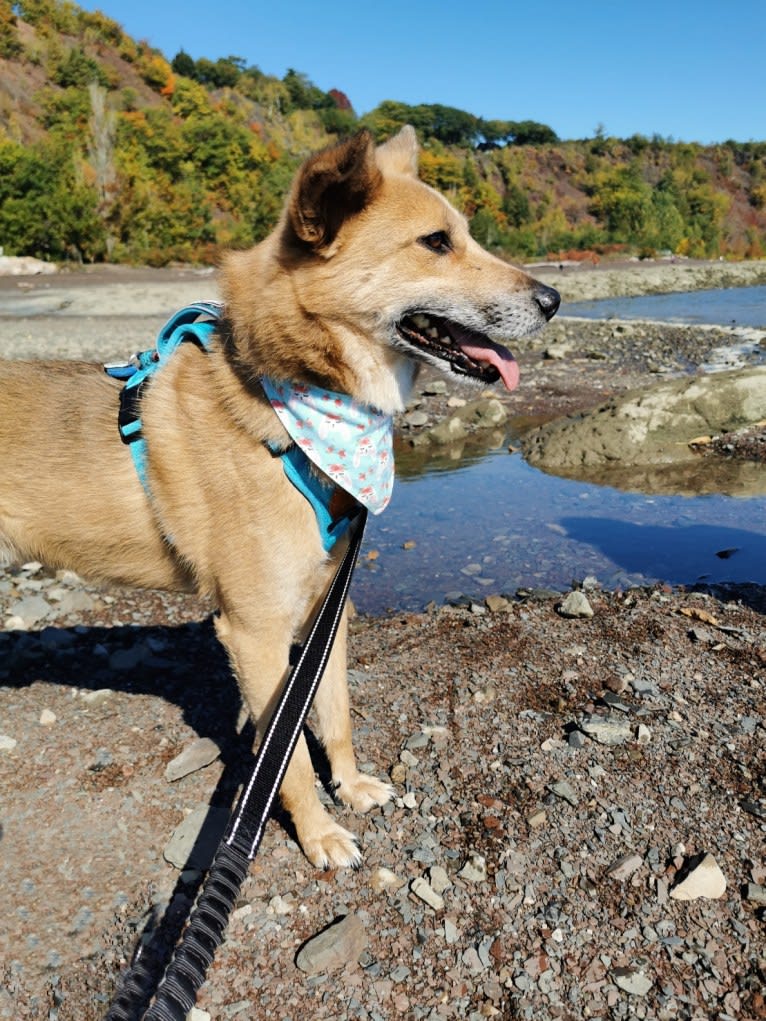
{"points": [[743, 306], [493, 524], [486, 522]]}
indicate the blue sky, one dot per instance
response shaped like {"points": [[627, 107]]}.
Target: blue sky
{"points": [[693, 71]]}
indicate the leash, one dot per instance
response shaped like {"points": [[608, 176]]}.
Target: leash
{"points": [[176, 993]]}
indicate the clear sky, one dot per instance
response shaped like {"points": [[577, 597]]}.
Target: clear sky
{"points": [[692, 70]]}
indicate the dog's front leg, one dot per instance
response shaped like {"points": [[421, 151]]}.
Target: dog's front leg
{"points": [[258, 657], [333, 712]]}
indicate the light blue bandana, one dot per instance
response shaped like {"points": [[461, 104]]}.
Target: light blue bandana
{"points": [[351, 443]]}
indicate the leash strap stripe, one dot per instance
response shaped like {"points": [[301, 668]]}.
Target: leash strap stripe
{"points": [[186, 972]]}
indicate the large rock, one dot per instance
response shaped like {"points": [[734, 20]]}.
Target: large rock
{"points": [[650, 427]]}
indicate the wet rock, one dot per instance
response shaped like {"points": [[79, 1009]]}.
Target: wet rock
{"points": [[416, 419], [701, 877], [340, 943], [197, 755], [652, 426]]}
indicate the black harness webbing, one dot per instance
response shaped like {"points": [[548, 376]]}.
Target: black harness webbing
{"points": [[176, 994]]}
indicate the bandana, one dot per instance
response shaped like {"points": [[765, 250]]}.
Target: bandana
{"points": [[351, 443]]}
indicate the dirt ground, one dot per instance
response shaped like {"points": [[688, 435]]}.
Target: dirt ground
{"points": [[556, 778]]}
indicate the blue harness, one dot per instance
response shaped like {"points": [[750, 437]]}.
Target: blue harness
{"points": [[197, 323]]}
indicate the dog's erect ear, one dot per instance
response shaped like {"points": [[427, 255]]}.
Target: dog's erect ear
{"points": [[331, 186], [399, 155]]}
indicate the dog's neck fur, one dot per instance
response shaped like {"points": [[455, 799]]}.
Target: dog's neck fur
{"points": [[274, 334]]}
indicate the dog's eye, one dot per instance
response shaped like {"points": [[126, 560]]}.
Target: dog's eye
{"points": [[437, 242]]}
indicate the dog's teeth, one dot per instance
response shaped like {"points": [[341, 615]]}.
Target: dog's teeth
{"points": [[433, 333], [420, 320]]}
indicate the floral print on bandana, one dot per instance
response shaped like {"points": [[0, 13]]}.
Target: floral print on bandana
{"points": [[351, 443]]}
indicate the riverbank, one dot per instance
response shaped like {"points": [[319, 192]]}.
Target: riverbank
{"points": [[556, 775]]}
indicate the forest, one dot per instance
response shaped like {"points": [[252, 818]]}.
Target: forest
{"points": [[110, 151]]}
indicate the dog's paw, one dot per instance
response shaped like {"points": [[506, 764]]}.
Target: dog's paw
{"points": [[334, 847], [363, 792]]}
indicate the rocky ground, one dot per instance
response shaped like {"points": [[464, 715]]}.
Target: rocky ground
{"points": [[567, 770]]}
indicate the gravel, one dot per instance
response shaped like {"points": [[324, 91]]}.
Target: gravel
{"points": [[526, 867]]}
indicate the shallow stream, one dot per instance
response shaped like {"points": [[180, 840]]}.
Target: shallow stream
{"points": [[479, 520]]}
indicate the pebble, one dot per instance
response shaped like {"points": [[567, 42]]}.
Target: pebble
{"points": [[195, 1014], [576, 605], [537, 818], [565, 791], [7, 744], [31, 610], [196, 838], [701, 878], [340, 943], [634, 982], [624, 867], [439, 879], [196, 756], [384, 879], [606, 729], [423, 890], [643, 734], [47, 718], [475, 869], [755, 893]]}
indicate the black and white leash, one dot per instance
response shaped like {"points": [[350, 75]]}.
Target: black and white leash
{"points": [[176, 994]]}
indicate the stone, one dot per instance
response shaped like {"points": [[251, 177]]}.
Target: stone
{"points": [[439, 879], [634, 982], [608, 730], [575, 605], [497, 603], [342, 942], [7, 744], [416, 418], [197, 755], [755, 893], [563, 790], [701, 877], [195, 1014], [423, 890], [47, 718], [196, 837], [475, 869], [384, 879], [436, 386], [448, 431], [76, 602], [31, 609], [643, 734], [624, 867], [537, 818]]}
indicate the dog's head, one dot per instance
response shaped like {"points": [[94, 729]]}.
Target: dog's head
{"points": [[384, 274]]}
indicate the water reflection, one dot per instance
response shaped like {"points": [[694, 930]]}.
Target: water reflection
{"points": [[474, 519]]}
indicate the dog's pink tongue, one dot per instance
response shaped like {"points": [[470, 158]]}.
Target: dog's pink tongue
{"points": [[486, 351]]}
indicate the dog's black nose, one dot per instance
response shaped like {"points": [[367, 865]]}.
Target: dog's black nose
{"points": [[549, 299]]}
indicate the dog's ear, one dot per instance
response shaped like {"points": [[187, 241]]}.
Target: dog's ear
{"points": [[399, 155], [331, 186]]}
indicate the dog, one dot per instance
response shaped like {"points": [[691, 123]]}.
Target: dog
{"points": [[368, 274]]}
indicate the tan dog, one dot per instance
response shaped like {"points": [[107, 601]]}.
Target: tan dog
{"points": [[368, 273]]}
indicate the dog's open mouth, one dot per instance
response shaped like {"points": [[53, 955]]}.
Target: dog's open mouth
{"points": [[468, 353]]}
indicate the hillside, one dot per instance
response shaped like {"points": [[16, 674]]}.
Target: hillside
{"points": [[110, 151]]}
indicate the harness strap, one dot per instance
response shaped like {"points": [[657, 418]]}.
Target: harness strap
{"points": [[184, 325], [329, 502]]}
